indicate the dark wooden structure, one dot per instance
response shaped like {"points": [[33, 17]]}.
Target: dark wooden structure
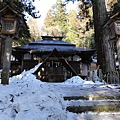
{"points": [[114, 35], [55, 67], [60, 60], [11, 20]]}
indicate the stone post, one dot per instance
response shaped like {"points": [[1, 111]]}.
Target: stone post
{"points": [[118, 54], [6, 60]]}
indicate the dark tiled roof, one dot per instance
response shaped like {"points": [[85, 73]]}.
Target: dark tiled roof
{"points": [[48, 45], [52, 42], [46, 48]]}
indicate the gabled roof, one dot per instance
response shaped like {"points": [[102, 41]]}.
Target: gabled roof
{"points": [[85, 54], [112, 19], [48, 45], [8, 7], [61, 59], [115, 15]]}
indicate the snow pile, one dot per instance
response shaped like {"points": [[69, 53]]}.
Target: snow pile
{"points": [[31, 102], [74, 80], [30, 99], [25, 75]]}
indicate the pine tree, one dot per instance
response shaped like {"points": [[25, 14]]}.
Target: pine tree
{"points": [[56, 20], [73, 33], [116, 7], [85, 16]]}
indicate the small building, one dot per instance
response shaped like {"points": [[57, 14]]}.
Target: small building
{"points": [[60, 60], [54, 67]]}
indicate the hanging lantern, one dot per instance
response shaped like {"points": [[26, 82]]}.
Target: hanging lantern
{"points": [[114, 25], [9, 24], [10, 20]]}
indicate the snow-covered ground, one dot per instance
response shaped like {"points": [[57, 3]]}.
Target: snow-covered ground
{"points": [[26, 98]]}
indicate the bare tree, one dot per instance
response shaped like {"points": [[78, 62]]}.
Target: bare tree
{"points": [[34, 29]]}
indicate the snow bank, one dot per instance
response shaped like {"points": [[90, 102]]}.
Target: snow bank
{"points": [[31, 99], [74, 80]]}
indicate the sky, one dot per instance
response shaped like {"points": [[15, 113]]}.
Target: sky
{"points": [[44, 5], [27, 98]]}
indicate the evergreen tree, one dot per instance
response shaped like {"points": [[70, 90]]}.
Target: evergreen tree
{"points": [[104, 54], [73, 33], [56, 20], [85, 16], [110, 6], [74, 28], [116, 7], [22, 6]]}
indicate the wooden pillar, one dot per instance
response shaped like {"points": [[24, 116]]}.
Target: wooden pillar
{"points": [[22, 63], [118, 51], [0, 53], [6, 60], [112, 44]]}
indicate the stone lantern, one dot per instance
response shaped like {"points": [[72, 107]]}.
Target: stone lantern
{"points": [[11, 21]]}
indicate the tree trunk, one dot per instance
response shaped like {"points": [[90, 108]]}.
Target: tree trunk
{"points": [[100, 16], [105, 57], [104, 54], [6, 60], [108, 53], [118, 51]]}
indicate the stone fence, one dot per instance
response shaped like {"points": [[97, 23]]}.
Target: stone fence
{"points": [[111, 77]]}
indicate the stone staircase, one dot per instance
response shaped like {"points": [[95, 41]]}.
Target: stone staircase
{"points": [[83, 104]]}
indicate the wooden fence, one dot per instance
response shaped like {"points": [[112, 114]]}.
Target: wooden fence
{"points": [[112, 77]]}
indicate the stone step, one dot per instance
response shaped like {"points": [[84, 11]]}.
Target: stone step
{"points": [[91, 97], [92, 102], [98, 109], [79, 104]]}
